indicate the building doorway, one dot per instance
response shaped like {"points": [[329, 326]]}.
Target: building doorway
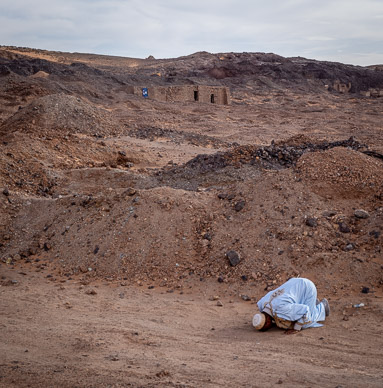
{"points": [[196, 97], [212, 98]]}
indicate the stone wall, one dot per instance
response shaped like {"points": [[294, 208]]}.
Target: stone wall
{"points": [[372, 92], [186, 93]]}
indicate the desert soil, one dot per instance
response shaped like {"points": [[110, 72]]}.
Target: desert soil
{"points": [[117, 214]]}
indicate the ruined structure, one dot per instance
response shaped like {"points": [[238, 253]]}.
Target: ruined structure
{"points": [[184, 93], [340, 87], [372, 92]]}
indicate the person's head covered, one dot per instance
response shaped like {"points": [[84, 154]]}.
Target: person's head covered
{"points": [[262, 321]]}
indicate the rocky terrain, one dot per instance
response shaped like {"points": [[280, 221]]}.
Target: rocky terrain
{"points": [[109, 201]]}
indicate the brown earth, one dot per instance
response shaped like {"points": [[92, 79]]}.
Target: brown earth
{"points": [[117, 214]]}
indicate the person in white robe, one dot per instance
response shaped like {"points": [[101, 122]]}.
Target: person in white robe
{"points": [[292, 306]]}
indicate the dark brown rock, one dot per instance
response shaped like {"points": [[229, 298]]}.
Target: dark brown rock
{"points": [[312, 222], [239, 205], [233, 257]]}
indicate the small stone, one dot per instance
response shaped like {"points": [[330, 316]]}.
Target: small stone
{"points": [[47, 246], [130, 191], [360, 213], [233, 258], [375, 233], [329, 213], [365, 290], [91, 292], [239, 205], [150, 287], [207, 236], [244, 278], [122, 153], [246, 298], [349, 247], [220, 279], [222, 196], [343, 228], [219, 303], [312, 222], [6, 191]]}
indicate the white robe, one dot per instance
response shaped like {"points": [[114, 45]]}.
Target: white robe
{"points": [[294, 301]]}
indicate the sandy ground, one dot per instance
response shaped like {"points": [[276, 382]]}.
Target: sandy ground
{"points": [[67, 334]]}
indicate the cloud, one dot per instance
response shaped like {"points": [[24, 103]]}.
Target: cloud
{"points": [[171, 28]]}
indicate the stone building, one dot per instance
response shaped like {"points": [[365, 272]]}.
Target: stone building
{"points": [[341, 88], [184, 93]]}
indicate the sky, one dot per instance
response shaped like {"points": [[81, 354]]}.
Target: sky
{"points": [[347, 31]]}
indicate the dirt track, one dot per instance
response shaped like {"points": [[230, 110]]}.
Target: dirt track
{"points": [[59, 334]]}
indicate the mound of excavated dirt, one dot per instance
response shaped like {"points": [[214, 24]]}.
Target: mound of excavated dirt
{"points": [[342, 172], [59, 115], [273, 219]]}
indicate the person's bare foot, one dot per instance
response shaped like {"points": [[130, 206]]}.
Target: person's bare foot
{"points": [[326, 306]]}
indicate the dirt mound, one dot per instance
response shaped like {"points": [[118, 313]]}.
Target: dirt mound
{"points": [[57, 132], [277, 155], [40, 74], [274, 223], [59, 115], [342, 172]]}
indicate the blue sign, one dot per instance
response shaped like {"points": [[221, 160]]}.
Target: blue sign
{"points": [[145, 92]]}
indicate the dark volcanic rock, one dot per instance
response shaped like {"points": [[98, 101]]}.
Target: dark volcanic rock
{"points": [[312, 222], [239, 205], [375, 233], [233, 257], [344, 228]]}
